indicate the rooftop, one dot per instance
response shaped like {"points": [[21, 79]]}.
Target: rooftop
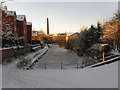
{"points": [[29, 23], [20, 17]]}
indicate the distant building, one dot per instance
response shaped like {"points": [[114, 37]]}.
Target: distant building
{"points": [[61, 37], [38, 35], [8, 24], [21, 26], [58, 38], [35, 35], [29, 32], [74, 36]]}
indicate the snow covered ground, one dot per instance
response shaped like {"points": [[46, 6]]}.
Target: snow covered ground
{"points": [[56, 55], [0, 76], [115, 52], [100, 77]]}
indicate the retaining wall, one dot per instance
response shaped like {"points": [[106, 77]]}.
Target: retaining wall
{"points": [[8, 53]]}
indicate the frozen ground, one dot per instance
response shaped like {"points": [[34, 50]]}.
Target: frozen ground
{"points": [[100, 77], [56, 55], [0, 76]]}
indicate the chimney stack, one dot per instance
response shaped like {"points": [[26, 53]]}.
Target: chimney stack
{"points": [[47, 26]]}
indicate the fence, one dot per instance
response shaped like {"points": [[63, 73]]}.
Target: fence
{"points": [[58, 65]]}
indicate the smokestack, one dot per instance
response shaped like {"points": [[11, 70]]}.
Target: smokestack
{"points": [[47, 26]]}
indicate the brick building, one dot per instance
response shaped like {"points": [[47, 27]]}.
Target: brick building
{"points": [[0, 23], [35, 35], [8, 24], [29, 32], [21, 26]]}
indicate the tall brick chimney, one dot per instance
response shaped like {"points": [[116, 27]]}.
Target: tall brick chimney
{"points": [[47, 26]]}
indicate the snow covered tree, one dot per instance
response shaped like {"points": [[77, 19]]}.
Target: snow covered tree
{"points": [[87, 38], [111, 31]]}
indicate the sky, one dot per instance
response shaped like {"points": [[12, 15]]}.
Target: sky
{"points": [[64, 16]]}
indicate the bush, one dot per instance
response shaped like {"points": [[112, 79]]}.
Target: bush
{"points": [[24, 62], [106, 49], [35, 42], [7, 61]]}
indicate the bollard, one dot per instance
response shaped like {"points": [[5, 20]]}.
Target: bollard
{"points": [[45, 66], [103, 56], [61, 66]]}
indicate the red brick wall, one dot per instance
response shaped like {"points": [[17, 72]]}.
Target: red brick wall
{"points": [[8, 53], [22, 29], [9, 24], [29, 32]]}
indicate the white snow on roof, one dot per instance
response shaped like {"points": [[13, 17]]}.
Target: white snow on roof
{"points": [[9, 13], [20, 17], [29, 23]]}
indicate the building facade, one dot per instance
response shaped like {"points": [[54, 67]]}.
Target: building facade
{"points": [[29, 32], [21, 26], [9, 24]]}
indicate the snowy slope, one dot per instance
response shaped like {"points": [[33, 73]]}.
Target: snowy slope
{"points": [[101, 77]]}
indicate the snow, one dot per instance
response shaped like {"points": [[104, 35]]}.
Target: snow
{"points": [[37, 55], [14, 47], [116, 52], [29, 23], [56, 55], [0, 76], [105, 76], [36, 47], [101, 77], [20, 17], [9, 13]]}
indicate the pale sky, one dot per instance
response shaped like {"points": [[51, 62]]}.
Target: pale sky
{"points": [[64, 16]]}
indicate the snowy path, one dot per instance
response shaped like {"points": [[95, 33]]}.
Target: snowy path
{"points": [[56, 55]]}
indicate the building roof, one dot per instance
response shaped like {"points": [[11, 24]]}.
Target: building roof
{"points": [[20, 17], [9, 13], [29, 23], [74, 34]]}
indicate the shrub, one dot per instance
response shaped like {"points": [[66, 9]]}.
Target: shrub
{"points": [[24, 62]]}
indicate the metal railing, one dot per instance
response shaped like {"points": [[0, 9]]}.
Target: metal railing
{"points": [[58, 65]]}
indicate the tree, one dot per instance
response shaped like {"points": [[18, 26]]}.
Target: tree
{"points": [[87, 38], [41, 35], [111, 30]]}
